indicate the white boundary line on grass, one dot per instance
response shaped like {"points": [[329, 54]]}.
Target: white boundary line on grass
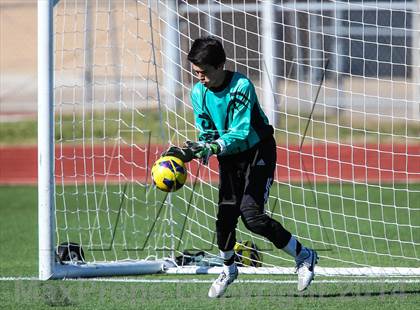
{"points": [[130, 280]]}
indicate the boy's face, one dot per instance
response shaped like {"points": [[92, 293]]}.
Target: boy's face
{"points": [[208, 75]]}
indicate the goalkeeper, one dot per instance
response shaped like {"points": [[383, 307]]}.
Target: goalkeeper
{"points": [[233, 126]]}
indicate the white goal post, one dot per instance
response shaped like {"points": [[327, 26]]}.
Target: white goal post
{"points": [[339, 81]]}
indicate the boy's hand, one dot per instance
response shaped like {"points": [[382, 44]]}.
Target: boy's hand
{"points": [[203, 150], [184, 154]]}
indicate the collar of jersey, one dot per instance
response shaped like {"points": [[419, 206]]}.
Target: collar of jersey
{"points": [[226, 82]]}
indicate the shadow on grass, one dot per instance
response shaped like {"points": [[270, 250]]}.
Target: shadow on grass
{"points": [[399, 293], [55, 296]]}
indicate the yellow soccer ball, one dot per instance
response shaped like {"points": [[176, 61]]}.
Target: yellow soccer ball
{"points": [[169, 173]]}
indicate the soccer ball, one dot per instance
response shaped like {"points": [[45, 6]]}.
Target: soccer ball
{"points": [[169, 173]]}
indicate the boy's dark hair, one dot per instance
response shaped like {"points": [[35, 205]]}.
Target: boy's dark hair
{"points": [[207, 51]]}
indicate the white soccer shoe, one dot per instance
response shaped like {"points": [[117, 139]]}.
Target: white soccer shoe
{"points": [[305, 268], [219, 286]]}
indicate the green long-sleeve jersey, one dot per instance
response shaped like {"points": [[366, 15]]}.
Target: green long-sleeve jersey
{"points": [[231, 116]]}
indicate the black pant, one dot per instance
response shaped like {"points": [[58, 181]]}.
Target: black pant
{"points": [[244, 184]]}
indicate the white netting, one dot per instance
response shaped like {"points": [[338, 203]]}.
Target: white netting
{"points": [[340, 85]]}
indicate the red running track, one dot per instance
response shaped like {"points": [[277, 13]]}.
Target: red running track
{"points": [[318, 163]]}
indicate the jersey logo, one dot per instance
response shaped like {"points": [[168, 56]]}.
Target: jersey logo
{"points": [[261, 162], [206, 121]]}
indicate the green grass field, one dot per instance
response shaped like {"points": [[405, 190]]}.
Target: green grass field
{"points": [[350, 224], [18, 258]]}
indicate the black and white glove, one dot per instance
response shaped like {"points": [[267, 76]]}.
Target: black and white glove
{"points": [[184, 154], [203, 150]]}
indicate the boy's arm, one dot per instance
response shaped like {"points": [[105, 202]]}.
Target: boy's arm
{"points": [[206, 128], [203, 122], [235, 140]]}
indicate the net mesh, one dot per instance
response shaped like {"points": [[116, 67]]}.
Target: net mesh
{"points": [[340, 86]]}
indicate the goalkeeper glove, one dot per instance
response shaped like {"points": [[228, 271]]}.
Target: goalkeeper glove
{"points": [[203, 150], [184, 154]]}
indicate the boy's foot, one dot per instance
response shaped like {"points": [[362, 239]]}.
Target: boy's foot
{"points": [[219, 286], [305, 268]]}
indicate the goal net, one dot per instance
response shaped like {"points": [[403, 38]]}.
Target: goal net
{"points": [[339, 81]]}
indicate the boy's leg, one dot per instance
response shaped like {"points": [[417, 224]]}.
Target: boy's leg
{"points": [[259, 176], [230, 193], [258, 179], [227, 218]]}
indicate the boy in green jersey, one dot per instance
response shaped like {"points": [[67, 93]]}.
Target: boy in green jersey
{"points": [[233, 126]]}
